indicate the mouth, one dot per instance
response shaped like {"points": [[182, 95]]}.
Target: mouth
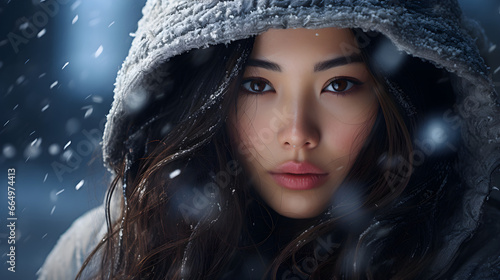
{"points": [[299, 181], [298, 175]]}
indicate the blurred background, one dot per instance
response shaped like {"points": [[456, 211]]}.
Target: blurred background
{"points": [[58, 63]]}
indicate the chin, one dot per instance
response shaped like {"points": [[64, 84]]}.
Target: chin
{"points": [[293, 215], [299, 211]]}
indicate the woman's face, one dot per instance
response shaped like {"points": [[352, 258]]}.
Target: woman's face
{"points": [[305, 108]]}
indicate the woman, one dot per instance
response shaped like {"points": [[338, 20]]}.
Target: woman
{"points": [[276, 139]]}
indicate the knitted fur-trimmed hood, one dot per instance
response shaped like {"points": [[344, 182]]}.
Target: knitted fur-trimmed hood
{"points": [[433, 30]]}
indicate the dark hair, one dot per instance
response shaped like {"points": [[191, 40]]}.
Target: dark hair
{"points": [[158, 236]]}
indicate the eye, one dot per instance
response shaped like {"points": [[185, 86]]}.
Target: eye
{"points": [[256, 86], [341, 85]]}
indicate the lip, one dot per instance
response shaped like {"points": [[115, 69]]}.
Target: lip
{"points": [[298, 175]]}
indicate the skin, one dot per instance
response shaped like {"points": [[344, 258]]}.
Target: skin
{"points": [[289, 111]]}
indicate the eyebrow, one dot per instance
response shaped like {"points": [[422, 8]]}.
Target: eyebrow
{"points": [[339, 61], [321, 66], [264, 64]]}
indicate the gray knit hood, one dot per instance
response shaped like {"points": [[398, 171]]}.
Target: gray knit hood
{"points": [[433, 30]]}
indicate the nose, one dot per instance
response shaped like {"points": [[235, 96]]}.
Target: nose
{"points": [[301, 128]]}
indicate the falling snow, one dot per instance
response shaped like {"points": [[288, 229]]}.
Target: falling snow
{"points": [[20, 79], [76, 5], [65, 64], [496, 70], [88, 111], [79, 185], [136, 100], [24, 26], [9, 151], [52, 211], [33, 150], [175, 173], [45, 178], [54, 84], [53, 196], [165, 129], [60, 192], [492, 48], [45, 107], [66, 156], [97, 99], [75, 19], [67, 145], [54, 149], [98, 52], [41, 33]]}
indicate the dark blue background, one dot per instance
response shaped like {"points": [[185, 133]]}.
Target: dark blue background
{"points": [[36, 118]]}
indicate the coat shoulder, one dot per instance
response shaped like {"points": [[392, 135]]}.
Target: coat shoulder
{"points": [[73, 247], [479, 258]]}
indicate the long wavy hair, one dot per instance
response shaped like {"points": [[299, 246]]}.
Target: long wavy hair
{"points": [[188, 208]]}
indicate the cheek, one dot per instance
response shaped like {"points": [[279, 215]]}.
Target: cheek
{"points": [[347, 138], [353, 109], [341, 137]]}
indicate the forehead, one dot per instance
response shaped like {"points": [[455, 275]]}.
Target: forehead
{"points": [[304, 42]]}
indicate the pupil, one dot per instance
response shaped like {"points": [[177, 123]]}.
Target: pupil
{"points": [[339, 85], [257, 86]]}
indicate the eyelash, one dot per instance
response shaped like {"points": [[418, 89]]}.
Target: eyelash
{"points": [[351, 84]]}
